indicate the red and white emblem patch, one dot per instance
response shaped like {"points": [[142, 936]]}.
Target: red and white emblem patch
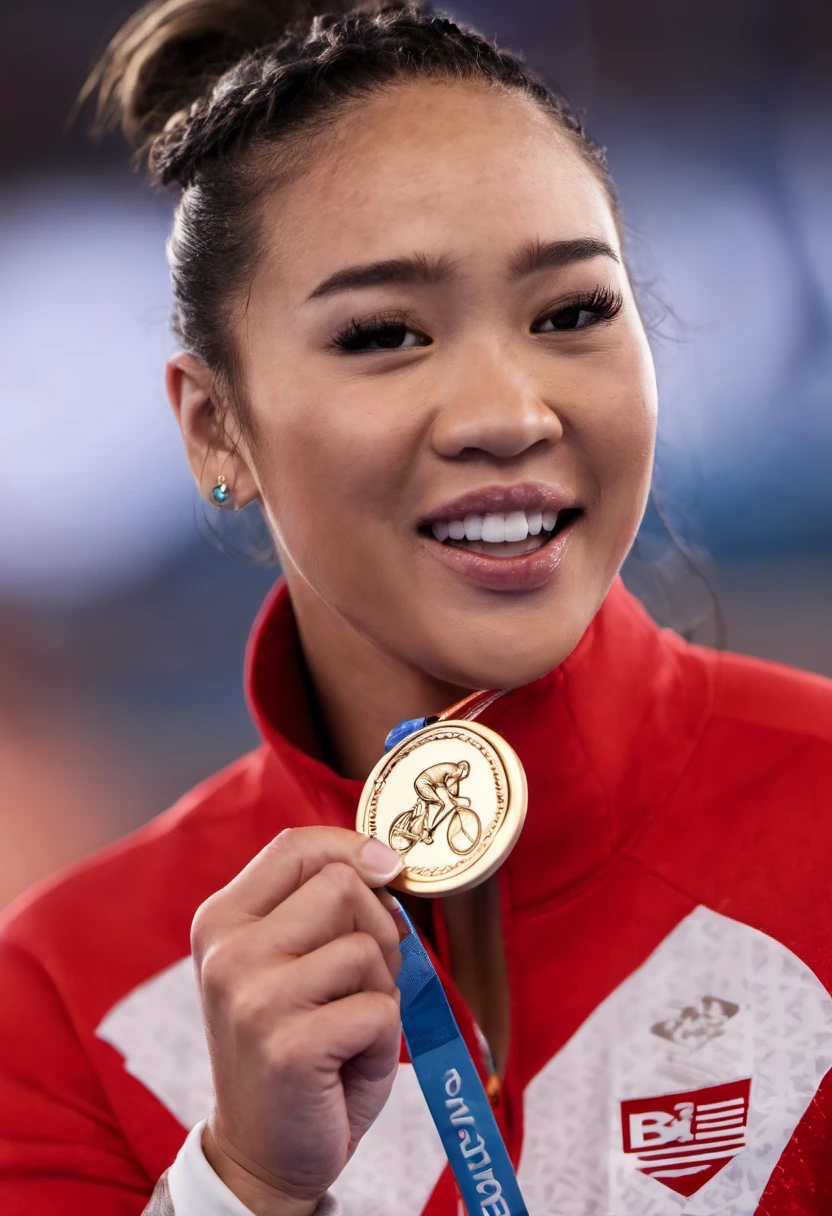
{"points": [[682, 1140]]}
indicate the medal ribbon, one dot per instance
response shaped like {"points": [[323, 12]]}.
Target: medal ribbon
{"points": [[464, 711], [444, 1069]]}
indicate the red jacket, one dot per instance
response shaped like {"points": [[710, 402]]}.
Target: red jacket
{"points": [[668, 926]]}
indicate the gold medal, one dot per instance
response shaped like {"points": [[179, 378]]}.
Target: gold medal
{"points": [[450, 799]]}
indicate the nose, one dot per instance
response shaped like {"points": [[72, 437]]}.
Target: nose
{"points": [[493, 409]]}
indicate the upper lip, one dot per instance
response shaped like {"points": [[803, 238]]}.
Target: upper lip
{"points": [[500, 499]]}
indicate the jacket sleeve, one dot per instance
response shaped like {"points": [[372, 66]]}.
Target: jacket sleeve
{"points": [[61, 1152], [191, 1188]]}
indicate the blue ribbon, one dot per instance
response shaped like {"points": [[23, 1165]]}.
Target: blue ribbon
{"points": [[453, 1090], [408, 727]]}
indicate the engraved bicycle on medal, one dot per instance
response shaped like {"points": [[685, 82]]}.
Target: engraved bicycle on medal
{"points": [[438, 803]]}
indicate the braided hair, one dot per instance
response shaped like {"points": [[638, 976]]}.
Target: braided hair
{"points": [[203, 88]]}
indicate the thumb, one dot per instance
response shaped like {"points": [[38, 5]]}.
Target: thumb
{"points": [[295, 856]]}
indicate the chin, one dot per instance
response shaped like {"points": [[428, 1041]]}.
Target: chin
{"points": [[506, 659]]}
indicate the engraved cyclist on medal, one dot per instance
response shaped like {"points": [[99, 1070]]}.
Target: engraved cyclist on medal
{"points": [[438, 787]]}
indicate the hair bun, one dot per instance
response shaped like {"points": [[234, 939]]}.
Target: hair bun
{"points": [[171, 52]]}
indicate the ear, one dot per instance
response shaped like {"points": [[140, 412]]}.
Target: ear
{"points": [[209, 446]]}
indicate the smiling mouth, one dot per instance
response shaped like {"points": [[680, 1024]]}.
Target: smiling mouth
{"points": [[508, 534]]}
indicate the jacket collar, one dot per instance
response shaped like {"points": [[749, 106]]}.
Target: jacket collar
{"points": [[605, 739]]}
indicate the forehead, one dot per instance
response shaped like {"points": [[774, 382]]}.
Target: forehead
{"points": [[459, 168]]}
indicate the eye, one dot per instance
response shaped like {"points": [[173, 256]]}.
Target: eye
{"points": [[567, 318], [389, 333], [600, 305]]}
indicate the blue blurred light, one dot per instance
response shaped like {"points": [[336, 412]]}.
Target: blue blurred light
{"points": [[96, 490]]}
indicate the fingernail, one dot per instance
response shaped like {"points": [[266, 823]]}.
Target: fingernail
{"points": [[379, 863], [401, 920]]}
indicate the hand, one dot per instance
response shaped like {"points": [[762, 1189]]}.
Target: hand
{"points": [[296, 961]]}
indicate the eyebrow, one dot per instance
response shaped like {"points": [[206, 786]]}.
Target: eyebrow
{"points": [[549, 255], [417, 269], [420, 268]]}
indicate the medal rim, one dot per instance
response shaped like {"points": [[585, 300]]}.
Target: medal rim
{"points": [[507, 832]]}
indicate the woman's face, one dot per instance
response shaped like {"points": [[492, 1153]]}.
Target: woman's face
{"points": [[441, 336]]}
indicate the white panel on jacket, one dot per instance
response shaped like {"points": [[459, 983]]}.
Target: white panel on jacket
{"points": [[645, 1111], [157, 1028]]}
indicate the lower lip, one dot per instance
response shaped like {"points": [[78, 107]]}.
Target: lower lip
{"points": [[528, 572]]}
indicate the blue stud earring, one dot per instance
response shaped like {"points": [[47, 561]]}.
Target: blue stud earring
{"points": [[221, 493]]}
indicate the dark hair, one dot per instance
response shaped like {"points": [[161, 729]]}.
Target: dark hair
{"points": [[201, 87]]}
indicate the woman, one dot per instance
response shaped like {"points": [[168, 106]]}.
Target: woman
{"points": [[407, 331]]}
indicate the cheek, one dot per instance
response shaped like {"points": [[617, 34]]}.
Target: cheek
{"points": [[620, 426], [332, 466]]}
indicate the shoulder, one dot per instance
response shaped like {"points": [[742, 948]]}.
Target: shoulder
{"points": [[124, 914], [748, 829], [761, 751], [769, 697], [765, 721], [764, 756]]}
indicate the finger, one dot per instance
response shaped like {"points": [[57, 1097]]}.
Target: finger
{"points": [[354, 1042], [332, 903], [285, 864], [364, 1028], [396, 910], [339, 969]]}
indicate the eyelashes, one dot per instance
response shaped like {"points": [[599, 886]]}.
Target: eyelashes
{"points": [[388, 331], [582, 311], [396, 331]]}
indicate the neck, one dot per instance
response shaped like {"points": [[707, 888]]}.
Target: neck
{"points": [[359, 691]]}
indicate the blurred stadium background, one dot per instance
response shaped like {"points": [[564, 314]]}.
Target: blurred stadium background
{"points": [[122, 629]]}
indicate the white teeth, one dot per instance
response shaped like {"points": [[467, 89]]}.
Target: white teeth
{"points": [[473, 527], [517, 527], [494, 529]]}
